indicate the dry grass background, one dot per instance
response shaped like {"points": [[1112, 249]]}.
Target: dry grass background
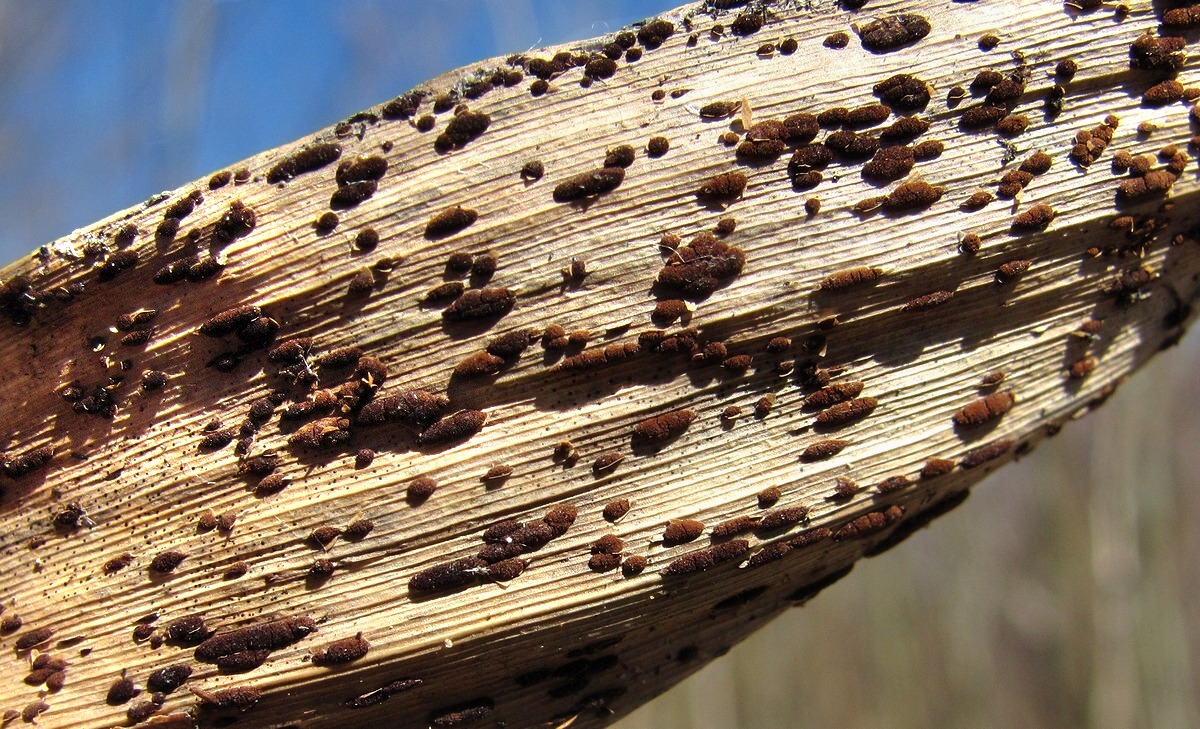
{"points": [[1064, 593]]}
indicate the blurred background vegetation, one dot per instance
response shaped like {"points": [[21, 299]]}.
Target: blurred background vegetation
{"points": [[1064, 593]]}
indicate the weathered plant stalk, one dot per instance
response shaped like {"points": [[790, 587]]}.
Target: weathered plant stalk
{"points": [[153, 477]]}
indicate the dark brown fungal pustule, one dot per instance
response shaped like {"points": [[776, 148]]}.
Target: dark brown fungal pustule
{"points": [[455, 427], [782, 518], [603, 562], [245, 661], [912, 196], [837, 40], [270, 485], [267, 636], [928, 301], [1155, 182], [621, 155], [167, 561], [27, 462], [1012, 125], [447, 576], [903, 92], [892, 484], [323, 536], [935, 467], [497, 474], [341, 651], [600, 357], [734, 526], [768, 497], [844, 489], [981, 455], [1035, 218], [763, 406], [447, 291], [479, 364], [1082, 367], [847, 411], [32, 638], [450, 221], [241, 698], [141, 711], [696, 270], [188, 631], [307, 159], [463, 128], [321, 433], [122, 691], [1010, 271], [607, 462], [893, 31], [719, 109], [889, 164], [615, 509], [33, 710], [970, 243], [850, 277], [169, 678], [851, 146], [507, 569], [118, 563], [230, 320], [869, 523], [1163, 93], [823, 449], [707, 558], [723, 187], [486, 303], [589, 184], [664, 427], [906, 129], [681, 531]]}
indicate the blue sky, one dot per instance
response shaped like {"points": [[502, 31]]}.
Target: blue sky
{"points": [[105, 102]]}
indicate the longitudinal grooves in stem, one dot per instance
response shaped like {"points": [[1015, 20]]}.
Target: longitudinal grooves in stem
{"points": [[710, 316]]}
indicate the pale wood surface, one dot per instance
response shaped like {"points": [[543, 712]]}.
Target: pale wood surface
{"points": [[144, 484]]}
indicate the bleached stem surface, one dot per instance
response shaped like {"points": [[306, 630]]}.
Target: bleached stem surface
{"points": [[144, 485]]}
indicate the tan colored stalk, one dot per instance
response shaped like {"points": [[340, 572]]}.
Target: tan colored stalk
{"points": [[562, 644]]}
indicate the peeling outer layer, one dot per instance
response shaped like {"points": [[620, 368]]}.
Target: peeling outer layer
{"points": [[383, 693]]}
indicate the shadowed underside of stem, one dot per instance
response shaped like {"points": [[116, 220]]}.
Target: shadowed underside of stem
{"points": [[222, 403]]}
